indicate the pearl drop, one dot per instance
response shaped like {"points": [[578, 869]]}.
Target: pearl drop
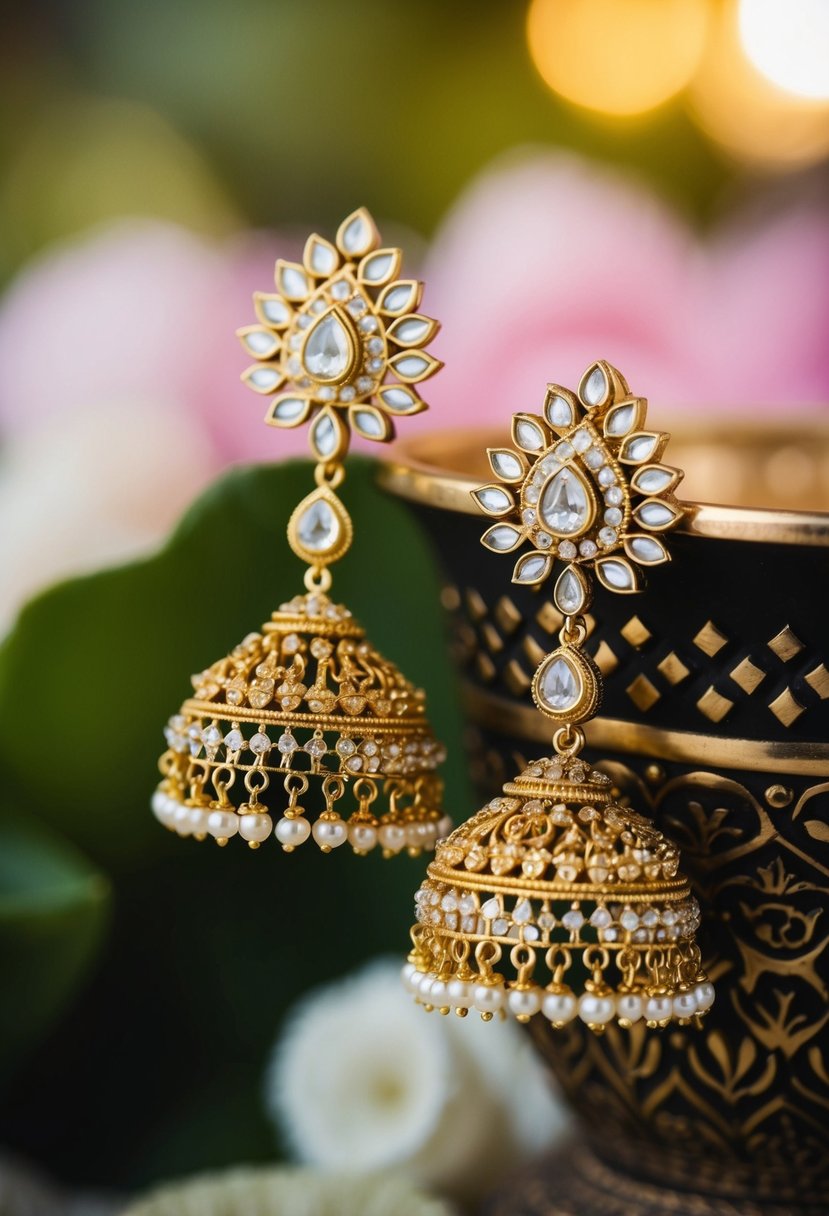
{"points": [[424, 985], [181, 820], [629, 1006], [559, 1006], [685, 1004], [596, 1010], [223, 824], [392, 836], [417, 835], [255, 826], [459, 993], [197, 819], [292, 832], [445, 826], [523, 1003], [488, 998], [658, 1008], [705, 995], [157, 803], [329, 833], [362, 836], [438, 994]]}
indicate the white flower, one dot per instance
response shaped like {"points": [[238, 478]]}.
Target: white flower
{"points": [[362, 1079], [286, 1192]]}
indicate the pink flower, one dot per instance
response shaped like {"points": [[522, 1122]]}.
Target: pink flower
{"points": [[548, 262]]}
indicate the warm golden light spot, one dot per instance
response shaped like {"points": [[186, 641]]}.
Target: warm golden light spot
{"points": [[621, 57], [745, 113]]}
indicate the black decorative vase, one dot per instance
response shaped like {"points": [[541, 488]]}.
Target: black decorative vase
{"points": [[716, 720]]}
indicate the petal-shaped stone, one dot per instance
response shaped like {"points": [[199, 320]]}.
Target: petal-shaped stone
{"points": [[501, 538], [617, 574], [329, 351], [493, 500], [399, 298], [505, 464], [655, 479], [566, 506], [594, 388], [528, 434], [559, 411], [622, 419], [646, 549], [559, 685], [357, 233], [655, 514], [532, 568], [640, 447]]}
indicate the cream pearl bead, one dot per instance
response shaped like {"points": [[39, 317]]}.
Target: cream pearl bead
{"points": [[255, 826], [158, 804], [524, 1002], [658, 1008], [198, 821], [392, 836], [329, 833], [444, 827], [488, 998], [438, 994], [685, 1004], [459, 993], [705, 996], [223, 824], [407, 974], [559, 1006], [629, 1006], [596, 1010], [362, 837], [181, 820], [292, 832], [424, 985]]}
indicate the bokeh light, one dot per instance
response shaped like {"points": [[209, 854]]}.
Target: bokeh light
{"points": [[789, 43], [745, 113], [621, 57]]}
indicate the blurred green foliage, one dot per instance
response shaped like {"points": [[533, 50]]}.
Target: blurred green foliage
{"points": [[156, 1068], [289, 113]]}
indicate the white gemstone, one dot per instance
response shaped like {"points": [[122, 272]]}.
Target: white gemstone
{"points": [[368, 424], [234, 740], [564, 505], [606, 476], [563, 452], [315, 747], [506, 464], [653, 481], [655, 514], [261, 343], [340, 290], [522, 912], [528, 435], [567, 549], [596, 1010], [501, 538], [629, 920], [275, 310], [294, 365], [596, 387], [613, 496], [326, 393], [286, 744], [467, 903], [260, 743], [559, 412], [375, 365], [600, 918], [397, 399], [608, 536], [329, 349], [324, 435], [646, 549], [379, 267], [493, 499], [559, 685], [531, 569], [613, 516], [572, 920], [364, 384], [348, 393], [265, 377], [293, 283], [357, 236], [617, 574], [357, 306], [621, 420], [528, 517], [411, 366], [411, 330], [368, 325], [640, 447], [588, 548], [490, 909], [318, 528], [569, 593], [581, 441]]}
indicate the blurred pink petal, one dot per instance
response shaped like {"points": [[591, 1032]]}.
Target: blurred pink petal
{"points": [[548, 262]]}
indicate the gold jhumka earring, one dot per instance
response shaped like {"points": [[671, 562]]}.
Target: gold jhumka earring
{"points": [[308, 700], [555, 899]]}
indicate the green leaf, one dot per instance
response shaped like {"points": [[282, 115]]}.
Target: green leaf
{"points": [[53, 910], [210, 946]]}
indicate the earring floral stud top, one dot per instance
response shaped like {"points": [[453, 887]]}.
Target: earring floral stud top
{"points": [[553, 879], [306, 705]]}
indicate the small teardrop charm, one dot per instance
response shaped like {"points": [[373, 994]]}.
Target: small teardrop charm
{"points": [[329, 352], [320, 529], [567, 685]]}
